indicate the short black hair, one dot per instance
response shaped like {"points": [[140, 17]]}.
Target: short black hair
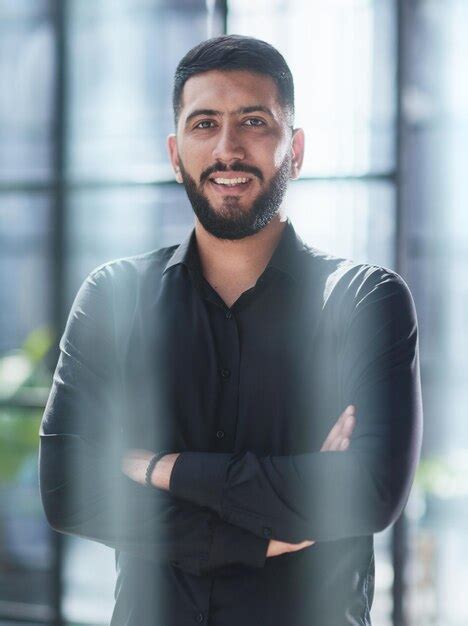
{"points": [[235, 52]]}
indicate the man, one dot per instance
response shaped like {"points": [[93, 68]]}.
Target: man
{"points": [[234, 354]]}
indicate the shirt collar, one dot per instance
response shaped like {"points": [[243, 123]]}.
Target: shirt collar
{"points": [[286, 258]]}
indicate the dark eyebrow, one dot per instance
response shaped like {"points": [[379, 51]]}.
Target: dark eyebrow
{"points": [[198, 112], [250, 109]]}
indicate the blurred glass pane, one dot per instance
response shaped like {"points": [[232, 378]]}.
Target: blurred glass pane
{"points": [[122, 59], [350, 219], [105, 224], [437, 576], [26, 91], [381, 612], [434, 201], [24, 8], [25, 537], [25, 266], [342, 54], [89, 581]]}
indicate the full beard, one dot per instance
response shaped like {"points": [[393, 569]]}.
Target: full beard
{"points": [[231, 221]]}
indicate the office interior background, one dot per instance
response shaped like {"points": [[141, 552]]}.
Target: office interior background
{"points": [[85, 108]]}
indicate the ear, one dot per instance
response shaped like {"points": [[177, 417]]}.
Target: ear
{"points": [[174, 156], [297, 149]]}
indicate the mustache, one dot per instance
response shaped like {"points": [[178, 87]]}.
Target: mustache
{"points": [[236, 167]]}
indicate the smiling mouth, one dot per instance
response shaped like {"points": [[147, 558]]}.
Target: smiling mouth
{"points": [[226, 185]]}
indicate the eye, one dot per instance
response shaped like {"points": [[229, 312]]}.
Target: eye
{"points": [[203, 122], [256, 120]]}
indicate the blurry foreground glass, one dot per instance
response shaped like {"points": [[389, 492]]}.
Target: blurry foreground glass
{"points": [[25, 266], [342, 54], [106, 224], [122, 60], [351, 219], [25, 538], [27, 65]]}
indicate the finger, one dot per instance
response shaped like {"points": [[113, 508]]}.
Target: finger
{"points": [[342, 440], [332, 435], [342, 428], [300, 546], [348, 426], [334, 441], [337, 445]]}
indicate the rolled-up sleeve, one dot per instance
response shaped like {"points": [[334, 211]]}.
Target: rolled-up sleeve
{"points": [[326, 496]]}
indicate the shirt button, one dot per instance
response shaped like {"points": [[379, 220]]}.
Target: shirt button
{"points": [[200, 617], [220, 434], [266, 531], [228, 315], [225, 373]]}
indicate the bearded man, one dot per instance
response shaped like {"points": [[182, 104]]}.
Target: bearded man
{"points": [[236, 415]]}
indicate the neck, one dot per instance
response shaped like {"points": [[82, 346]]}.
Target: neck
{"points": [[238, 260]]}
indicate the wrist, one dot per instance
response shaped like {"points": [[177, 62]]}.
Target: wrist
{"points": [[161, 474], [153, 461]]}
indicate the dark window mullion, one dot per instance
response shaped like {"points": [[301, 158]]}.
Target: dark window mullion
{"points": [[68, 185], [58, 257], [399, 531]]}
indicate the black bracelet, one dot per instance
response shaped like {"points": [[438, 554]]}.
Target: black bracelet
{"points": [[149, 470]]}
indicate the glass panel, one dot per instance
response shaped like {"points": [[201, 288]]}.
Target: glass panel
{"points": [[26, 91], [122, 59], [24, 8], [25, 266], [25, 538], [109, 223], [435, 198], [350, 219], [342, 54], [381, 612], [354, 220], [89, 580]]}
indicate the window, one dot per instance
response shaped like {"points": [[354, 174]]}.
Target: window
{"points": [[85, 108]]}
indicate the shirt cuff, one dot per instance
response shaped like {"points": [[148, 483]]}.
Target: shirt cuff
{"points": [[199, 477], [232, 546]]}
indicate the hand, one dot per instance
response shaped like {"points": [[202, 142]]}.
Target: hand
{"points": [[338, 438], [275, 548], [337, 441]]}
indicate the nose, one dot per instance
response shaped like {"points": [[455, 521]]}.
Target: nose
{"points": [[228, 145]]}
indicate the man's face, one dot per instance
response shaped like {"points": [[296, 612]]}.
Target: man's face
{"points": [[234, 151]]}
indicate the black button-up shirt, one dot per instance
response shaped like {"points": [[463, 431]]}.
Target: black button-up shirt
{"points": [[152, 358]]}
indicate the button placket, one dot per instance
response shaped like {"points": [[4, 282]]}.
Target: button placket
{"points": [[227, 372]]}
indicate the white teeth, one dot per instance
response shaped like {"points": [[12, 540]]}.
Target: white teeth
{"points": [[230, 181]]}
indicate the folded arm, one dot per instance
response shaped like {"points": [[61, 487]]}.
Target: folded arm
{"points": [[135, 461], [83, 489], [331, 495]]}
